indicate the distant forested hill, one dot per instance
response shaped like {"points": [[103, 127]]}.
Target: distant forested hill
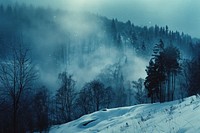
{"points": [[45, 28]]}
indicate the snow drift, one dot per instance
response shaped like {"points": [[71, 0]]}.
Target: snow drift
{"points": [[177, 116]]}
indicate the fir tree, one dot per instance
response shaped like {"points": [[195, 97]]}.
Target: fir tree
{"points": [[163, 67]]}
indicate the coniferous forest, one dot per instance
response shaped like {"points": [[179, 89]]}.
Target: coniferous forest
{"points": [[58, 65]]}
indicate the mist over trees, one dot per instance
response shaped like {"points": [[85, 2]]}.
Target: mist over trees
{"points": [[65, 97], [56, 66]]}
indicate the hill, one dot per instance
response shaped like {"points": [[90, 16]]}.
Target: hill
{"points": [[176, 116], [57, 37]]}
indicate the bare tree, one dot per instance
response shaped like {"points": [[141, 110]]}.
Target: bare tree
{"points": [[65, 97], [41, 107], [112, 76], [94, 96], [16, 75], [83, 101], [140, 94], [97, 93]]}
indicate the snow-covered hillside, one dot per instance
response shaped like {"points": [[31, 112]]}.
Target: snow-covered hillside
{"points": [[171, 117]]}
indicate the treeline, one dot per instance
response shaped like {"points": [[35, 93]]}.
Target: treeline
{"points": [[43, 30], [40, 23], [169, 76], [28, 106]]}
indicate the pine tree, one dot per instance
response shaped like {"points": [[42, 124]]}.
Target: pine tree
{"points": [[194, 76], [155, 73], [151, 81], [163, 67], [172, 68]]}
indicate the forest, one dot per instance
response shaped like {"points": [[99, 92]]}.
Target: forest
{"points": [[58, 65]]}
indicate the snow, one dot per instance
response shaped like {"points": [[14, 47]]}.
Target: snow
{"points": [[180, 116]]}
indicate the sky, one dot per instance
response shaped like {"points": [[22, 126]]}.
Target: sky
{"points": [[180, 15]]}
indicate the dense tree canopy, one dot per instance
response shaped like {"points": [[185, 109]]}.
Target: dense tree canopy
{"points": [[162, 70]]}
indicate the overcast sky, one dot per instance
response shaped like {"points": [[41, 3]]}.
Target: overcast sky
{"points": [[181, 15]]}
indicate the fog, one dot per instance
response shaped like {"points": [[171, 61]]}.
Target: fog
{"points": [[62, 59], [80, 27], [83, 66], [181, 15]]}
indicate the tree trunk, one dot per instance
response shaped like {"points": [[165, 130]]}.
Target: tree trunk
{"points": [[173, 88], [168, 88], [161, 97], [14, 118]]}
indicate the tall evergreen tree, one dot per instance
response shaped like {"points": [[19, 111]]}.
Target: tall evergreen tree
{"points": [[155, 73], [172, 68], [194, 76], [151, 81], [163, 67]]}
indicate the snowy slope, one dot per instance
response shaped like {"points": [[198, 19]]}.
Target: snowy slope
{"points": [[171, 117]]}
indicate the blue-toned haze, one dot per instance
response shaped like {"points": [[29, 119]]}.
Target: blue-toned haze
{"points": [[181, 15]]}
